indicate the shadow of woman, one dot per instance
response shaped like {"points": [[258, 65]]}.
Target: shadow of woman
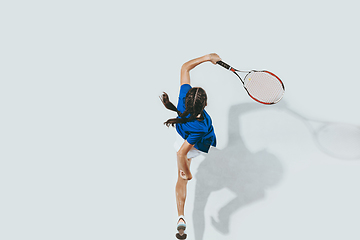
{"points": [[245, 173]]}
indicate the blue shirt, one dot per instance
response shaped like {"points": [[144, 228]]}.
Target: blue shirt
{"points": [[198, 133]]}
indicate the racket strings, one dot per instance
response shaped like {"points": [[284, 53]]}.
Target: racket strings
{"points": [[264, 87]]}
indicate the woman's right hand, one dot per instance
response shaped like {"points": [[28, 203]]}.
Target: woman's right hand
{"points": [[214, 58]]}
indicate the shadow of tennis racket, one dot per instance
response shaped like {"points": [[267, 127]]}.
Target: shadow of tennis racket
{"points": [[339, 140]]}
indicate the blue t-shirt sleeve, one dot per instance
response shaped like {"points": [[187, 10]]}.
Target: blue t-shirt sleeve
{"points": [[195, 137], [183, 91]]}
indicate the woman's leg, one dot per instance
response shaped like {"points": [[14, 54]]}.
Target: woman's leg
{"points": [[180, 190]]}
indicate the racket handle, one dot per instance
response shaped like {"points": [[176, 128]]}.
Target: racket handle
{"points": [[221, 63]]}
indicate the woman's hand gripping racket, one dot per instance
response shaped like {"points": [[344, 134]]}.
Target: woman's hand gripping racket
{"points": [[262, 86]]}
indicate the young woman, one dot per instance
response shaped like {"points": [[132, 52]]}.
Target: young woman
{"points": [[194, 126]]}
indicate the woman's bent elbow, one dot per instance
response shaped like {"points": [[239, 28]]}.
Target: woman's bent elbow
{"points": [[185, 67]]}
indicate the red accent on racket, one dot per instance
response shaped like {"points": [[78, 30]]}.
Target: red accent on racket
{"points": [[262, 86]]}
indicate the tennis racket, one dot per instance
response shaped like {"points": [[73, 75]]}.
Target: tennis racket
{"points": [[340, 140], [262, 86]]}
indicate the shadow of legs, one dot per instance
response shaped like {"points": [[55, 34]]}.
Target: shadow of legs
{"points": [[202, 194]]}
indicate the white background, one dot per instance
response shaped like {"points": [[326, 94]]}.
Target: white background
{"points": [[84, 153]]}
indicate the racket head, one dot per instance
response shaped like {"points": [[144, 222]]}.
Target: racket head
{"points": [[264, 86]]}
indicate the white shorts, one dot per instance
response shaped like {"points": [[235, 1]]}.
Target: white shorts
{"points": [[179, 142]]}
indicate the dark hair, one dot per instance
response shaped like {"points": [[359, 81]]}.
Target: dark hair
{"points": [[195, 102]]}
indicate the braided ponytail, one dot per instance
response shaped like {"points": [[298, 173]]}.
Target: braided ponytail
{"points": [[195, 102]]}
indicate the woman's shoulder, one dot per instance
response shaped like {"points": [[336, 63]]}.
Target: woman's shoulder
{"points": [[199, 125], [184, 89]]}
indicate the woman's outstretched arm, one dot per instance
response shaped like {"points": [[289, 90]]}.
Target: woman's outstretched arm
{"points": [[186, 67]]}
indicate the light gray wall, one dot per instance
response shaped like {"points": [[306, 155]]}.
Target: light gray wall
{"points": [[84, 154]]}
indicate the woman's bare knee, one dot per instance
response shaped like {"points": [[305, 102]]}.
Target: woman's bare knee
{"points": [[182, 175]]}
